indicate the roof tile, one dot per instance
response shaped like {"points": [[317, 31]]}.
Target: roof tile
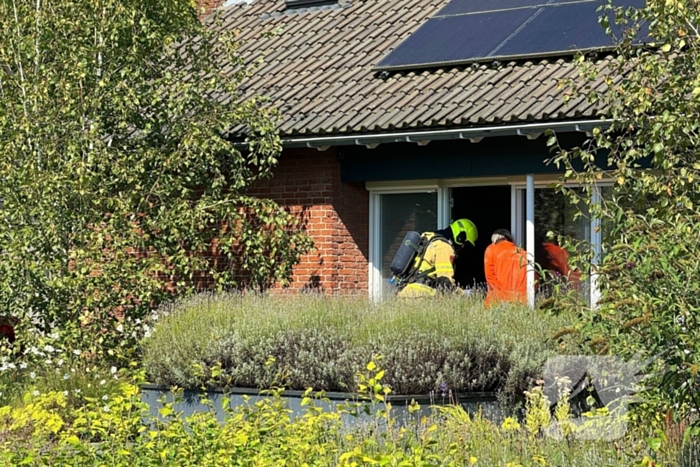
{"points": [[318, 70]]}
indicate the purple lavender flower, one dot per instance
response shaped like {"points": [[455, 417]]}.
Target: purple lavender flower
{"points": [[443, 389]]}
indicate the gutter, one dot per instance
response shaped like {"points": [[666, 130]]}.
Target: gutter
{"points": [[474, 134]]}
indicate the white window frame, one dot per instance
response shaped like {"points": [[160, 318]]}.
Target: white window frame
{"points": [[518, 214], [376, 189], [443, 188]]}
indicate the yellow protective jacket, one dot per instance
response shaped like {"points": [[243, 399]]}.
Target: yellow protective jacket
{"points": [[439, 256]]}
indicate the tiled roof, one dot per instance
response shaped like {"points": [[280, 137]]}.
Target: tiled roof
{"points": [[318, 70]]}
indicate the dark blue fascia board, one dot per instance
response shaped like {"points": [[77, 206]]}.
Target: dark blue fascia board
{"points": [[491, 157]]}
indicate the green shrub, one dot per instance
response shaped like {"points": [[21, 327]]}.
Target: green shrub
{"points": [[48, 363], [318, 341], [122, 186], [120, 432], [650, 217]]}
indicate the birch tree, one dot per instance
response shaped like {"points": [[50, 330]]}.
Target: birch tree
{"points": [[119, 180]]}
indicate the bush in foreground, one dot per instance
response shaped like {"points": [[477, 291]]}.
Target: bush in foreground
{"points": [[319, 341], [120, 432]]}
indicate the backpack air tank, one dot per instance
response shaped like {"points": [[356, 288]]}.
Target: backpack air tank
{"points": [[406, 254]]}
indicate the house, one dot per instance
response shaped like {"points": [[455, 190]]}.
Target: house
{"points": [[400, 115]]}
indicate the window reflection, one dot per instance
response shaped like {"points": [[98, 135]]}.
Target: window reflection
{"points": [[558, 213], [401, 213]]}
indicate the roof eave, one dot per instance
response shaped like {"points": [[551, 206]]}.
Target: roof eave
{"points": [[475, 134]]}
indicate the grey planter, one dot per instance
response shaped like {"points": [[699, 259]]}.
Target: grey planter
{"points": [[190, 402]]}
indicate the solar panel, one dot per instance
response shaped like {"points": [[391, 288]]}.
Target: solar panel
{"points": [[478, 30], [552, 31], [456, 7], [446, 39]]}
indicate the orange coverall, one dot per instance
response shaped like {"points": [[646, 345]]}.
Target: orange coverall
{"points": [[506, 273], [558, 261]]}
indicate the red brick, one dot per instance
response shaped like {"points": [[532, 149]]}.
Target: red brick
{"points": [[335, 215], [204, 7]]}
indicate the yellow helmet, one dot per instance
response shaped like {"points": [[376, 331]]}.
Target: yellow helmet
{"points": [[464, 230]]}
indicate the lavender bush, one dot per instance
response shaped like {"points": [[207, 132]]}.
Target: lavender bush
{"points": [[319, 342]]}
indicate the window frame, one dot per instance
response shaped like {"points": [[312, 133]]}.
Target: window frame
{"points": [[443, 188], [596, 239], [376, 190]]}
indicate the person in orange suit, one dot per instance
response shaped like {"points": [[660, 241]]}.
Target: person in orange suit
{"points": [[506, 270], [555, 259]]}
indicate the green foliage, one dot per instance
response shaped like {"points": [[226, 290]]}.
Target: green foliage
{"points": [[48, 368], [118, 177], [562, 411], [318, 341], [650, 217], [45, 430], [538, 415]]}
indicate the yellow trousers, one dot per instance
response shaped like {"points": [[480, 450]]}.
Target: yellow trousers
{"points": [[415, 290]]}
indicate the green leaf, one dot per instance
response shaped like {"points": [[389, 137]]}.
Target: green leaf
{"points": [[654, 444]]}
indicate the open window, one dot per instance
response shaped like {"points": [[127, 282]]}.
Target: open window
{"points": [[491, 204], [489, 207]]}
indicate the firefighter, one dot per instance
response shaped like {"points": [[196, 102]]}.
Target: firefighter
{"points": [[434, 270], [505, 266]]}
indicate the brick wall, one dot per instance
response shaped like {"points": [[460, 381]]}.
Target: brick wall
{"points": [[204, 7], [335, 215]]}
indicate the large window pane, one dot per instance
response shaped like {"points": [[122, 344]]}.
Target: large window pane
{"points": [[399, 214], [558, 213], [555, 212], [606, 194]]}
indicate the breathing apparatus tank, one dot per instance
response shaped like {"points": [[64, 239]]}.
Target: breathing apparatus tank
{"points": [[406, 254]]}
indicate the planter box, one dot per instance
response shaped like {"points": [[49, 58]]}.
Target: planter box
{"points": [[190, 402]]}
